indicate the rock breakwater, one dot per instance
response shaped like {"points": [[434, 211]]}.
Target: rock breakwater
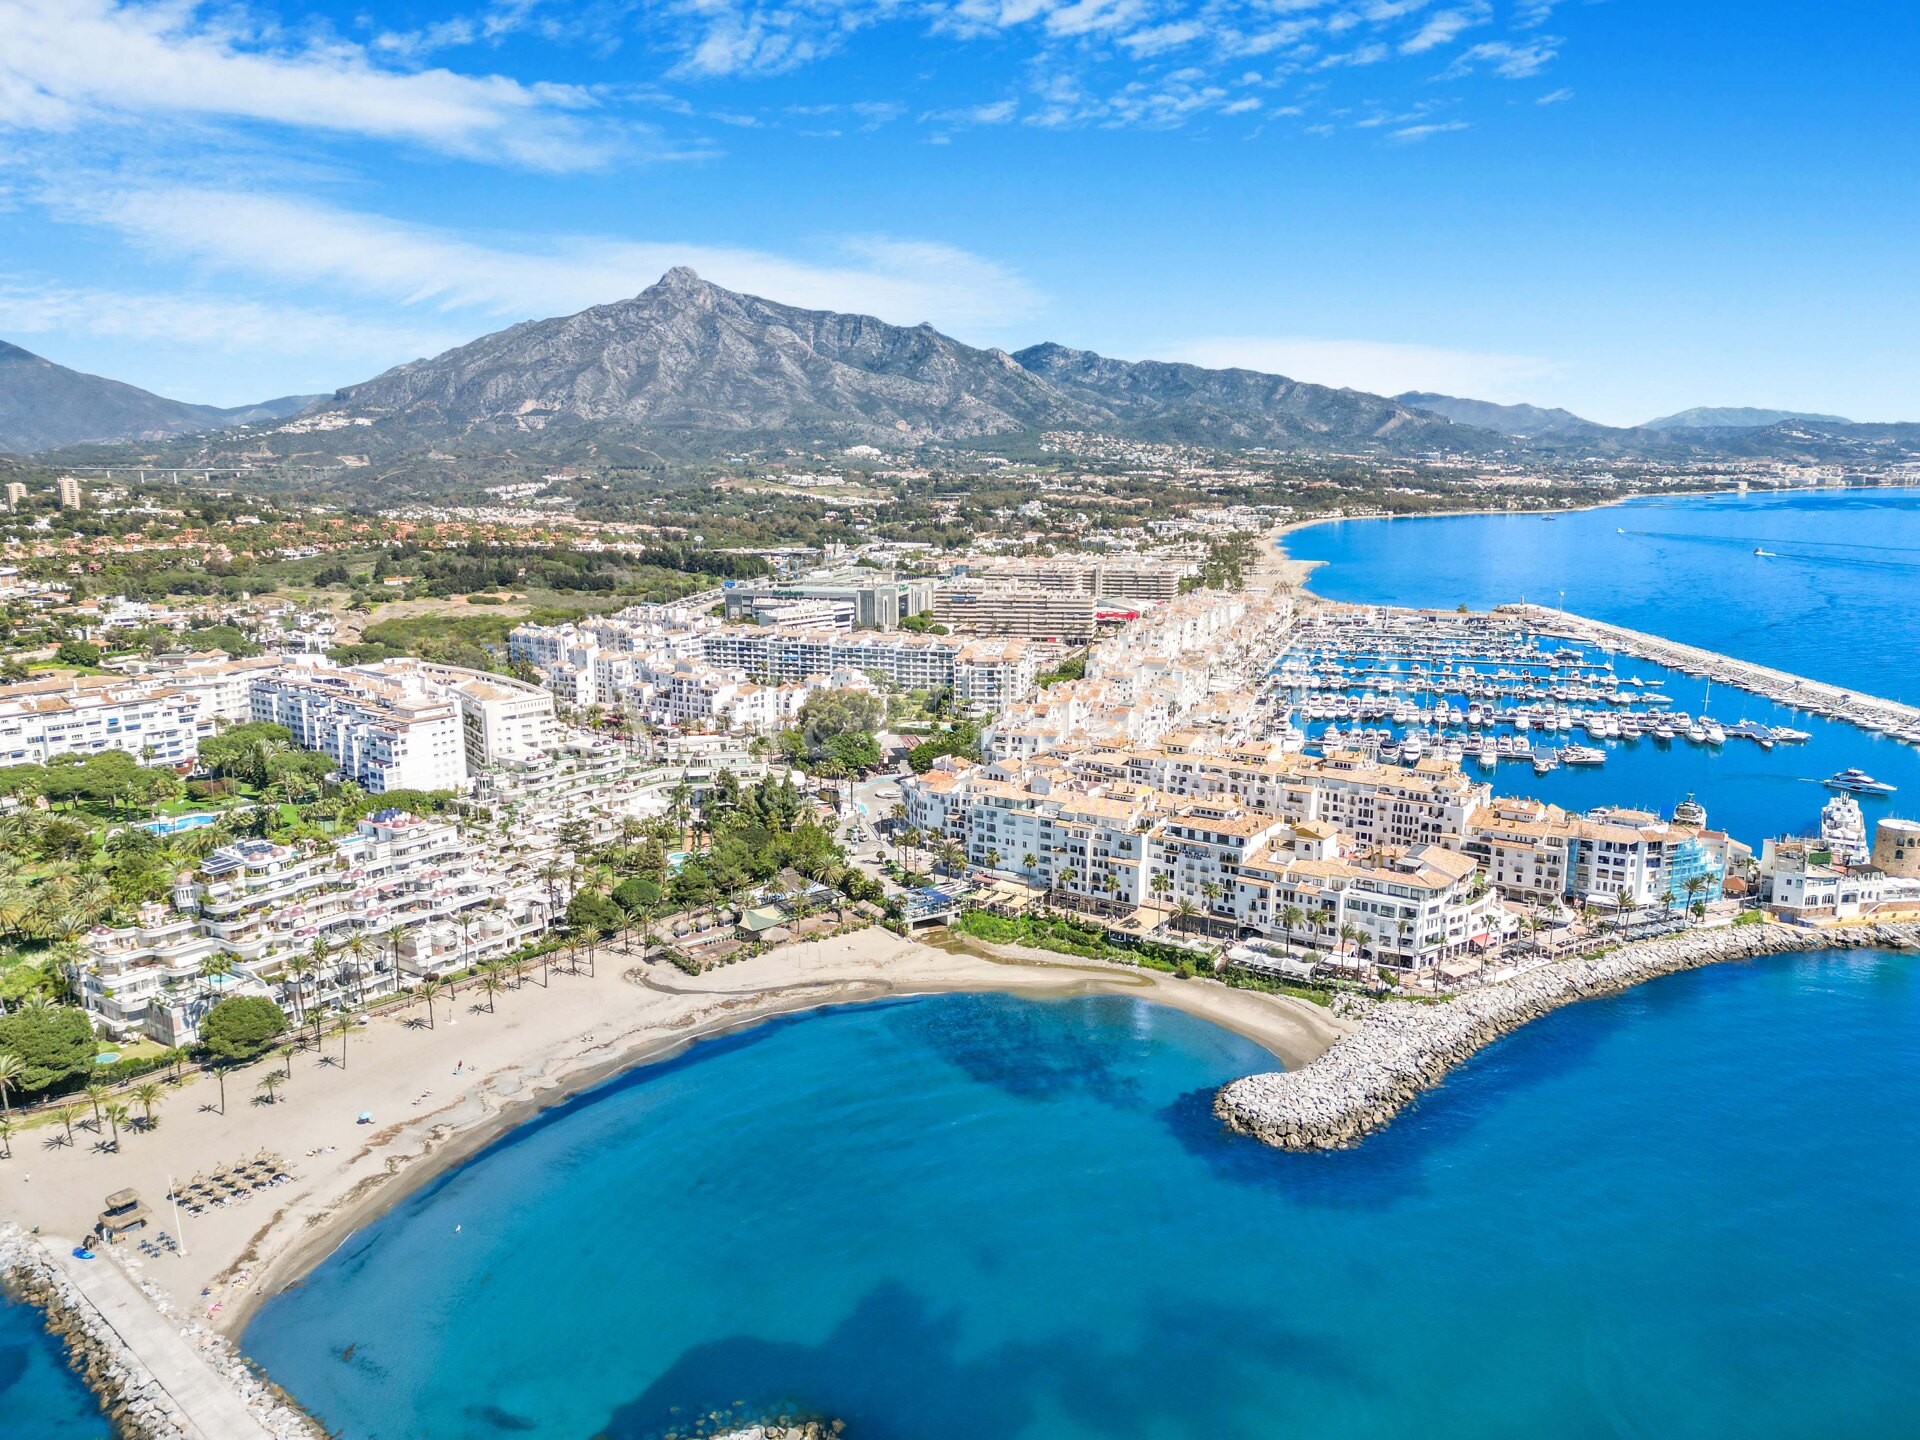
{"points": [[135, 1400], [1402, 1048]]}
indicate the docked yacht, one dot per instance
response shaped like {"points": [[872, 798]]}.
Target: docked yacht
{"points": [[1843, 829], [1582, 755]]}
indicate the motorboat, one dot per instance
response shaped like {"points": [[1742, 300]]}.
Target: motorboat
{"points": [[1858, 782], [1582, 755]]}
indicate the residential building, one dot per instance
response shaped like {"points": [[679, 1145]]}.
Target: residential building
{"points": [[41, 720], [990, 609], [384, 732], [68, 492]]}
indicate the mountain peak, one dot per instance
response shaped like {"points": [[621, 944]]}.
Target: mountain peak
{"points": [[680, 280]]}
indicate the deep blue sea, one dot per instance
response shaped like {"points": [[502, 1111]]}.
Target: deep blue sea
{"points": [[1685, 1212], [1839, 599], [40, 1398]]}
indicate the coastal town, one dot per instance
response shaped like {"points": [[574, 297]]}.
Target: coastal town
{"points": [[1168, 766]]}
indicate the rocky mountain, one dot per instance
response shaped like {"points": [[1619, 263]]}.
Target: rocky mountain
{"points": [[1160, 400], [1736, 417], [685, 361], [44, 405], [687, 366], [1523, 421]]}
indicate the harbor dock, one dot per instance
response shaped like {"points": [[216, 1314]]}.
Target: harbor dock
{"points": [[1797, 692]]}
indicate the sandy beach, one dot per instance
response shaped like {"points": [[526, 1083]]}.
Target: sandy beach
{"points": [[438, 1094]]}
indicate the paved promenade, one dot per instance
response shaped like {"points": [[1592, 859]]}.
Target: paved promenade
{"points": [[211, 1408]]}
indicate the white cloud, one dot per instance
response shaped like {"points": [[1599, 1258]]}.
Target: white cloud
{"points": [[1409, 133], [1381, 367], [289, 239], [69, 64], [1445, 26], [1554, 97], [1513, 62], [212, 322]]}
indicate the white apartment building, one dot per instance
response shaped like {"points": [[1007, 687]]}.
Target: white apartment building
{"points": [[1127, 843], [401, 899], [384, 732], [501, 719], [41, 720]]}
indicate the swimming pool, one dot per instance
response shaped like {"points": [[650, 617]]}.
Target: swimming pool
{"points": [[174, 824]]}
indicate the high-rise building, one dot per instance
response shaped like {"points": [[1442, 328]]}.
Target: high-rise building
{"points": [[67, 490], [16, 492]]}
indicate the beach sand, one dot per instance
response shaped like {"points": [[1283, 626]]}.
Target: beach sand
{"points": [[439, 1094]]}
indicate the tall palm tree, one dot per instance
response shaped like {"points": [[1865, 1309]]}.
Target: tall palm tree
{"points": [[65, 1116], [146, 1097], [12, 1067], [1694, 885], [490, 986], [6, 1139], [96, 1093], [296, 970], [357, 951], [591, 937], [1353, 935], [343, 1027], [1291, 918], [115, 1114], [270, 1084], [1186, 910], [1211, 890], [429, 992]]}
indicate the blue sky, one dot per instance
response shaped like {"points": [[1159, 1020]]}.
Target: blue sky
{"points": [[1620, 206]]}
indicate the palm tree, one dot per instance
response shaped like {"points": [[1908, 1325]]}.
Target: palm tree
{"points": [[1353, 935], [12, 1067], [343, 1027], [6, 1139], [490, 986], [1028, 861], [1161, 885], [1693, 885], [66, 1115], [357, 950], [146, 1097], [1291, 918], [269, 1086], [116, 1113], [590, 937], [214, 968], [1211, 890], [297, 970], [429, 992], [96, 1092], [1185, 911]]}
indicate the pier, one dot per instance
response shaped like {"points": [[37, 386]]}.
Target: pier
{"points": [[1797, 692], [154, 1378], [1402, 1048]]}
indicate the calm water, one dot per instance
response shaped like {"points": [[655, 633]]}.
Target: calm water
{"points": [[40, 1398], [1836, 601], [1684, 1212], [1749, 792]]}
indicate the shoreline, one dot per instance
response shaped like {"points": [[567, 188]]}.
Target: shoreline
{"points": [[533, 1053], [1402, 1049]]}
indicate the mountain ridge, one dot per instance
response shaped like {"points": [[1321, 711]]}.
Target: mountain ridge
{"points": [[44, 405]]}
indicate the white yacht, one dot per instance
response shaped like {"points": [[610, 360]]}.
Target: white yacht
{"points": [[1858, 782]]}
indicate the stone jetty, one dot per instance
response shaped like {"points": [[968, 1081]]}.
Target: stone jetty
{"points": [[1796, 692], [158, 1378], [1403, 1047]]}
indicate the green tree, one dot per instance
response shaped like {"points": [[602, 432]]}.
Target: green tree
{"points": [[53, 1043], [242, 1027], [269, 1086]]}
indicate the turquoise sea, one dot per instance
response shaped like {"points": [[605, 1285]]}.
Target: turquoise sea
{"points": [[1685, 1212], [40, 1398], [1835, 601]]}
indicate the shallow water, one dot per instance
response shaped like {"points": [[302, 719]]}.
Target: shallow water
{"points": [[1684, 1212], [1836, 601], [40, 1398]]}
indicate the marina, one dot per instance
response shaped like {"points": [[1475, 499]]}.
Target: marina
{"points": [[1757, 766]]}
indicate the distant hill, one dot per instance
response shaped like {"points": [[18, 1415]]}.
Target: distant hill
{"points": [[43, 405], [1736, 417], [1524, 421], [1189, 403]]}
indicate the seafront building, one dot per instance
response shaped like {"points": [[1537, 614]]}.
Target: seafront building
{"points": [[43, 720], [401, 899]]}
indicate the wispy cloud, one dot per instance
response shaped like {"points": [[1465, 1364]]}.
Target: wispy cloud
{"points": [[1504, 58], [70, 64], [1443, 27], [1383, 367], [1409, 133], [289, 239]]}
